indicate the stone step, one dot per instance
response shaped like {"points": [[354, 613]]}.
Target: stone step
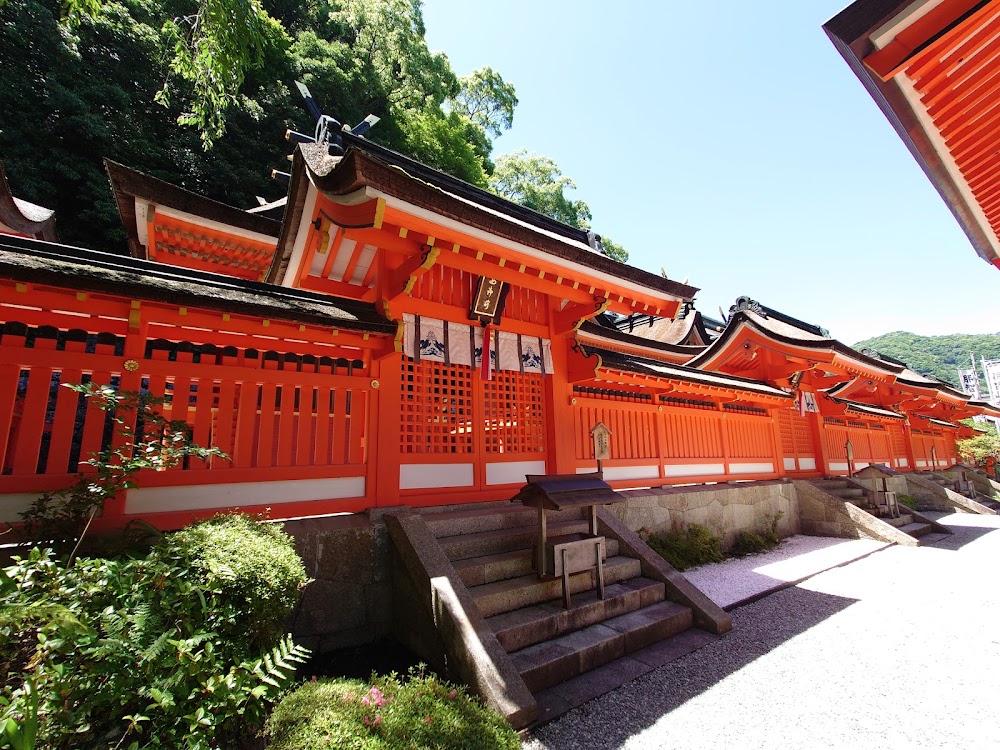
{"points": [[493, 516], [831, 483], [495, 541], [917, 529], [932, 538], [557, 700], [903, 520], [546, 664], [847, 493], [475, 571], [527, 590], [530, 625]]}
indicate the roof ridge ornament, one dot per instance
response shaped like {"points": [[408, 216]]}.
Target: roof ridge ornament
{"points": [[870, 352], [745, 303]]}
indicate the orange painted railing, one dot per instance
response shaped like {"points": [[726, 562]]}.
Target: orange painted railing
{"points": [[675, 441], [295, 425]]}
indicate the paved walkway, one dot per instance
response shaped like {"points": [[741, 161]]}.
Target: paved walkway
{"points": [[900, 649]]}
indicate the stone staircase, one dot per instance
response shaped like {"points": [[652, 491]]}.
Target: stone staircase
{"points": [[949, 483], [851, 492], [565, 656]]}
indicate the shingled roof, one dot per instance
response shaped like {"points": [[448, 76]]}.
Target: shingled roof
{"points": [[33, 261], [24, 217]]}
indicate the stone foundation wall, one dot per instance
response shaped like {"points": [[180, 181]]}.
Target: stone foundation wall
{"points": [[349, 601], [725, 508]]}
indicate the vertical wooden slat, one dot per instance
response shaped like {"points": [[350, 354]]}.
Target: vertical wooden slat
{"points": [[247, 421], [9, 375], [29, 437], [286, 425], [306, 427], [265, 431], [63, 423], [223, 436], [323, 427], [339, 427], [202, 419], [93, 428], [359, 418]]}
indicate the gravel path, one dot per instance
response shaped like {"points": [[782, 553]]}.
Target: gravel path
{"points": [[897, 650], [797, 558]]}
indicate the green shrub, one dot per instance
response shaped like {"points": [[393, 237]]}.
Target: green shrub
{"points": [[384, 714], [753, 542], [155, 651], [687, 547], [251, 568], [750, 543], [908, 500]]}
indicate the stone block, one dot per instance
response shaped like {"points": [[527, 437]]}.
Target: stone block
{"points": [[348, 555], [327, 606]]}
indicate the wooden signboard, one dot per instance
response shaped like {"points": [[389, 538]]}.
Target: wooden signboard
{"points": [[602, 441], [487, 305]]}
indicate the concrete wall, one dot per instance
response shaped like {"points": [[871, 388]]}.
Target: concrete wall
{"points": [[726, 508]]}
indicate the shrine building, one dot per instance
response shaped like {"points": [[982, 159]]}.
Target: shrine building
{"points": [[389, 335]]}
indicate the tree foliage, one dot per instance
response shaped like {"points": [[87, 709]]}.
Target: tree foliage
{"points": [[537, 182], [986, 444], [153, 84], [938, 356]]}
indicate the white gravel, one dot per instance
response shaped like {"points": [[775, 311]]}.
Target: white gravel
{"points": [[897, 650], [797, 558]]}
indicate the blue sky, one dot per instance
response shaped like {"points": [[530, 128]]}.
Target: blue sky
{"points": [[730, 144]]}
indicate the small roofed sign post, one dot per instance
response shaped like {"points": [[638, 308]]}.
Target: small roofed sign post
{"points": [[602, 445]]}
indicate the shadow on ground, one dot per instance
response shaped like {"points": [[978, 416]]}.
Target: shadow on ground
{"points": [[966, 528], [644, 701]]}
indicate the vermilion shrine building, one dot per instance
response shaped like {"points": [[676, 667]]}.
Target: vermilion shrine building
{"points": [[332, 345]]}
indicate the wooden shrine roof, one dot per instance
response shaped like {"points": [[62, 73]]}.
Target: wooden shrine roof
{"points": [[934, 71], [367, 165], [612, 360], [24, 217], [593, 334], [688, 330], [182, 228], [32, 261], [802, 341], [869, 410]]}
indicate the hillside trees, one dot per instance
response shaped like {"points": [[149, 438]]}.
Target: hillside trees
{"points": [[198, 92], [939, 356]]}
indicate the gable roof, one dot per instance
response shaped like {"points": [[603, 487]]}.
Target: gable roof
{"points": [[366, 165], [24, 217]]}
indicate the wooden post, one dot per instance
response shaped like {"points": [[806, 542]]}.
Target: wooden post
{"points": [[849, 446]]}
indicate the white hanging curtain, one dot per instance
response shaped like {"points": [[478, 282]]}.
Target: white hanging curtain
{"points": [[461, 344]]}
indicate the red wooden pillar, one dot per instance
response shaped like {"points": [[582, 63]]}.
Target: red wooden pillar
{"points": [[558, 426], [822, 459], [382, 477]]}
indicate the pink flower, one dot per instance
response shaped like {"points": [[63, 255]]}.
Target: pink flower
{"points": [[453, 695], [378, 719], [377, 697], [365, 701], [427, 720], [313, 679], [368, 722], [348, 698]]}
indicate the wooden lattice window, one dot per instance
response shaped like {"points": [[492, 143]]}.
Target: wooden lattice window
{"points": [[514, 406], [436, 408]]}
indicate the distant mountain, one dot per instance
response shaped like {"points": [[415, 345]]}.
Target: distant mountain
{"points": [[939, 356]]}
